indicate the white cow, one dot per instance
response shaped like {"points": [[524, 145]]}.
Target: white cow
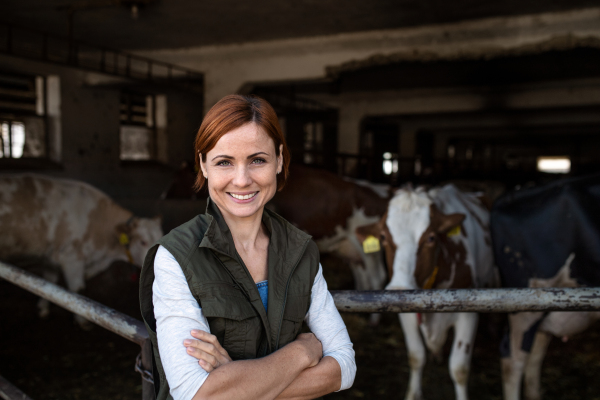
{"points": [[71, 225], [436, 239]]}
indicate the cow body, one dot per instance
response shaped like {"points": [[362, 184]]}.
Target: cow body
{"points": [[330, 208], [71, 226], [436, 239], [545, 237]]}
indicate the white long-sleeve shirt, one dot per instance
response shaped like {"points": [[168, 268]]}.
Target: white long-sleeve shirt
{"points": [[177, 313]]}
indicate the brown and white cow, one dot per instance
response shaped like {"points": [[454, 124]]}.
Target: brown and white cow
{"points": [[330, 208], [70, 224], [436, 239]]}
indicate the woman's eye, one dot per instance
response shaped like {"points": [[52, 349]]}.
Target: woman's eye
{"points": [[258, 161], [224, 163]]}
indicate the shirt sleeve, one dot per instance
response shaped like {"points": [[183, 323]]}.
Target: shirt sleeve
{"points": [[324, 320], [177, 312]]}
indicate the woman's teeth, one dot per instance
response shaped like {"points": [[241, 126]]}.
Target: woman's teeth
{"points": [[246, 197]]}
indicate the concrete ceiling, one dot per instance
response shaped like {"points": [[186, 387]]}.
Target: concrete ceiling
{"points": [[189, 23]]}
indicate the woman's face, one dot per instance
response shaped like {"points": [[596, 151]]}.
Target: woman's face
{"points": [[241, 171]]}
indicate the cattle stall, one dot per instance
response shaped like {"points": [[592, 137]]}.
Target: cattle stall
{"points": [[418, 301]]}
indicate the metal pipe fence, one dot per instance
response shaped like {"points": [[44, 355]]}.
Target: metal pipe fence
{"points": [[397, 301], [10, 392], [119, 323]]}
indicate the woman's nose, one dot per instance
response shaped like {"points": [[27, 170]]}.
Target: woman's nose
{"points": [[242, 176]]}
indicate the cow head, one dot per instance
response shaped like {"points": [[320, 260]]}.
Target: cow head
{"points": [[137, 236], [414, 236]]}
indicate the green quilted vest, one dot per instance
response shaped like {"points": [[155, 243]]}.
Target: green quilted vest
{"points": [[226, 292]]}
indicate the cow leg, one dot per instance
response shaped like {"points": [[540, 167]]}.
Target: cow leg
{"points": [[462, 348], [361, 280], [514, 365], [73, 270], [533, 368], [43, 305], [416, 354], [376, 276]]}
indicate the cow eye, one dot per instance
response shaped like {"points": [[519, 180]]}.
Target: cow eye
{"points": [[431, 238], [144, 243]]}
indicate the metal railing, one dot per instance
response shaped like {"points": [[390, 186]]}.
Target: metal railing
{"points": [[10, 392], [397, 301], [119, 323], [41, 46]]}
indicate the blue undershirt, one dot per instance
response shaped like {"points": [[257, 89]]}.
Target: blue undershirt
{"points": [[263, 290]]}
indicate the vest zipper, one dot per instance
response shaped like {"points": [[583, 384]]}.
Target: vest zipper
{"points": [[285, 294]]}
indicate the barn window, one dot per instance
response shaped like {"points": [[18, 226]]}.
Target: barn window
{"points": [[554, 165], [313, 142], [143, 123], [390, 163], [22, 116]]}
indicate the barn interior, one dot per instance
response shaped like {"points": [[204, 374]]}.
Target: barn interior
{"points": [[492, 95]]}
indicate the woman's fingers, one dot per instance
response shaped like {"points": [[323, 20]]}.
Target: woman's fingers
{"points": [[206, 366], [211, 339], [207, 350], [202, 355]]}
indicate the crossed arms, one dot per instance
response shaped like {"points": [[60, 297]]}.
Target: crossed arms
{"points": [[293, 372]]}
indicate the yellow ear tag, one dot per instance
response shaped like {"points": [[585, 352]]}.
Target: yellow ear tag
{"points": [[124, 239], [371, 244], [455, 231]]}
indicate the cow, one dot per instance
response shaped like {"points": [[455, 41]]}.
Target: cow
{"points": [[436, 239], [71, 226], [548, 236], [330, 208]]}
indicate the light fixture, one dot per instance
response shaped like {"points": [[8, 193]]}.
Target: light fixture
{"points": [[554, 165]]}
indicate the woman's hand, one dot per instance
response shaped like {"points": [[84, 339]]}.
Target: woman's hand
{"points": [[313, 347], [207, 349]]}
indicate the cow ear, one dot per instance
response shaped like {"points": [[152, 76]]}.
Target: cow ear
{"points": [[363, 232], [450, 221]]}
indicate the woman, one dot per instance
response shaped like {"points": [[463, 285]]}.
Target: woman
{"points": [[224, 295]]}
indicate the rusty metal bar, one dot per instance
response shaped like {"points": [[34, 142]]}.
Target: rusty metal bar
{"points": [[10, 392], [119, 323], [468, 300]]}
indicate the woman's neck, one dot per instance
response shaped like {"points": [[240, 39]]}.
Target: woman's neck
{"points": [[246, 232]]}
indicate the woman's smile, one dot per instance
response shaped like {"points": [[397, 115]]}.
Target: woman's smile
{"points": [[243, 197]]}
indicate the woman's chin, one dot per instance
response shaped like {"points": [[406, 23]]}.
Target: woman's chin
{"points": [[243, 210]]}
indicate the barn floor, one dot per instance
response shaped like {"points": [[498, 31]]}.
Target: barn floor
{"points": [[55, 359]]}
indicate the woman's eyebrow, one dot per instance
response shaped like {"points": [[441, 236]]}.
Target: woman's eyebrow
{"points": [[222, 156], [232, 158], [255, 154]]}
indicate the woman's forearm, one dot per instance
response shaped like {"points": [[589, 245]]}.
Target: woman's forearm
{"points": [[263, 378], [324, 378]]}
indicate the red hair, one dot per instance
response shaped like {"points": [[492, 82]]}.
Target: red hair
{"points": [[230, 113]]}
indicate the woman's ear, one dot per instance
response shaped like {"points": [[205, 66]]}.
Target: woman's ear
{"points": [[280, 159], [202, 165]]}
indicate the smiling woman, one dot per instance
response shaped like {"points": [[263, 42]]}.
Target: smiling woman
{"points": [[224, 295]]}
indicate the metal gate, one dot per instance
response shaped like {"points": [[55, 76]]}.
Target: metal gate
{"points": [[396, 301]]}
